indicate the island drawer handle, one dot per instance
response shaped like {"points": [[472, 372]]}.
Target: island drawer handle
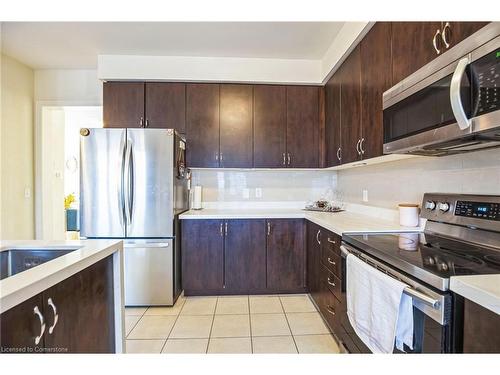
{"points": [[331, 261], [331, 241], [329, 282], [330, 310], [56, 315], [37, 312]]}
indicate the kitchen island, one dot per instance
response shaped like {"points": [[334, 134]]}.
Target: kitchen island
{"points": [[61, 296]]}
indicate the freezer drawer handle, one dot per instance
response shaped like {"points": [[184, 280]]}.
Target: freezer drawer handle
{"points": [[149, 244]]}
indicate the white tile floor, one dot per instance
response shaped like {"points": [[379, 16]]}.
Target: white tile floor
{"points": [[230, 324]]}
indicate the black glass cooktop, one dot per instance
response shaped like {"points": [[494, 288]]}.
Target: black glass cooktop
{"points": [[428, 257]]}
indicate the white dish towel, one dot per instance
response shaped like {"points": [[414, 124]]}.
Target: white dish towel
{"points": [[378, 310]]}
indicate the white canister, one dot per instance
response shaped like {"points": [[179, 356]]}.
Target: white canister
{"points": [[409, 214]]}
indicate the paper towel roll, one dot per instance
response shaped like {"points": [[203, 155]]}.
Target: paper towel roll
{"points": [[197, 197]]}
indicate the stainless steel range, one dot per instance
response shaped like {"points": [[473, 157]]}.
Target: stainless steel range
{"points": [[461, 237]]}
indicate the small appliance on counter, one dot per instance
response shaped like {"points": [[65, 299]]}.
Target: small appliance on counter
{"points": [[409, 214]]}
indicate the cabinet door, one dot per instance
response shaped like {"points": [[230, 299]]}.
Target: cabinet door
{"points": [[455, 32], [351, 106], [481, 329], [202, 125], [85, 308], [285, 255], [202, 256], [123, 104], [314, 238], [302, 127], [412, 47], [245, 256], [236, 126], [375, 78], [269, 117], [19, 326], [332, 120], [166, 105]]}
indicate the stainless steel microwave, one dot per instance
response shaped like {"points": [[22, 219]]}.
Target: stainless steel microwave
{"points": [[452, 104]]}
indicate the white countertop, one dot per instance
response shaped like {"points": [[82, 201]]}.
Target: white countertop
{"points": [[24, 285], [481, 289], [338, 222]]}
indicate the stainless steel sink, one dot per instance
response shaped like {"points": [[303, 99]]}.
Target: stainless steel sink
{"points": [[14, 261]]}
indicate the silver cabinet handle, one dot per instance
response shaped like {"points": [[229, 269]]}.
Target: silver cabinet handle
{"points": [[37, 312], [221, 229], [284, 159], [434, 42], [443, 34], [361, 146], [455, 98], [221, 156], [329, 282], [216, 156], [331, 241], [357, 147], [317, 237], [330, 310], [225, 229], [147, 123], [141, 122], [288, 158], [268, 228], [331, 261], [339, 156], [56, 316]]}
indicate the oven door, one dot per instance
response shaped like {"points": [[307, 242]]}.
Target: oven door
{"points": [[432, 325]]}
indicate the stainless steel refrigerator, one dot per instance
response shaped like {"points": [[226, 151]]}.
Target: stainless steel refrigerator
{"points": [[133, 186]]}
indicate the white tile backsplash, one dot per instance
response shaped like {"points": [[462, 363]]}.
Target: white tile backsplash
{"points": [[276, 185], [407, 180]]}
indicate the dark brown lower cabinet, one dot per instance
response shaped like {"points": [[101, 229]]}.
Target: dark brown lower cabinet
{"points": [[314, 238], [244, 256], [286, 255], [78, 314], [236, 256], [202, 256], [481, 329]]}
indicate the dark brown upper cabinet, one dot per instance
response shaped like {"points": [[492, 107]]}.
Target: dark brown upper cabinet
{"points": [[166, 105], [202, 125], [454, 32], [302, 127], [286, 255], [375, 79], [236, 126], [333, 132], [269, 125], [350, 76], [123, 105], [412, 46]]}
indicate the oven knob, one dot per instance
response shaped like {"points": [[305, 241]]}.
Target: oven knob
{"points": [[430, 205], [443, 206]]}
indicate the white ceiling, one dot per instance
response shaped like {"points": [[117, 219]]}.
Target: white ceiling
{"points": [[75, 45]]}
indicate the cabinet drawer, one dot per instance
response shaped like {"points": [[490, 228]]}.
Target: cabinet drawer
{"points": [[331, 283], [331, 261], [330, 309], [331, 241]]}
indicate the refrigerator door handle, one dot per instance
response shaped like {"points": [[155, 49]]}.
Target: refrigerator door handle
{"points": [[127, 182], [121, 185]]}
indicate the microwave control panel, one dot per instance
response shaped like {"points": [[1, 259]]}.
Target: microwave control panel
{"points": [[487, 73]]}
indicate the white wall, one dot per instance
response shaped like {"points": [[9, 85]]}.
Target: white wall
{"points": [[407, 180], [60, 85], [16, 148]]}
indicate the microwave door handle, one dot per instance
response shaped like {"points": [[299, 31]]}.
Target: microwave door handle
{"points": [[455, 99]]}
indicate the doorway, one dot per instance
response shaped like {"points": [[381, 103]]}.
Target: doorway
{"points": [[58, 174]]}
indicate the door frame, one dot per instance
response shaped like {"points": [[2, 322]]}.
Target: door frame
{"points": [[38, 191]]}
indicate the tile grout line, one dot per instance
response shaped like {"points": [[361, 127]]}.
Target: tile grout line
{"points": [[173, 325], [136, 323], [290, 328], [212, 325]]}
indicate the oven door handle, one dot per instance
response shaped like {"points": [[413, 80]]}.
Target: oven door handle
{"points": [[455, 98], [422, 297]]}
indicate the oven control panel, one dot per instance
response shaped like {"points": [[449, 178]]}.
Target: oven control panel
{"points": [[475, 211], [478, 210]]}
